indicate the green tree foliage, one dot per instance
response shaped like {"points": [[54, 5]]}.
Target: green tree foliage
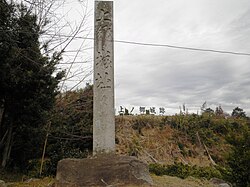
{"points": [[238, 113], [239, 159], [71, 127], [27, 86]]}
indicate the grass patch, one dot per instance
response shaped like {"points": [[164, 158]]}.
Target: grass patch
{"points": [[10, 176], [34, 183], [183, 171]]}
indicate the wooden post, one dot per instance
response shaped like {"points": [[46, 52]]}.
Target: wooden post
{"points": [[44, 148]]}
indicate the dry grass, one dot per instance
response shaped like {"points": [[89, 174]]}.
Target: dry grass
{"points": [[159, 181], [46, 182], [154, 143], [168, 181]]}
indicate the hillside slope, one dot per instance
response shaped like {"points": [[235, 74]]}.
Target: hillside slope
{"points": [[154, 139]]}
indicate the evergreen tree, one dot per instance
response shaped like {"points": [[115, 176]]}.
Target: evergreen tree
{"points": [[28, 87]]}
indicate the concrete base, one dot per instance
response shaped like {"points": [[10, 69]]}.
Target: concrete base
{"points": [[103, 170]]}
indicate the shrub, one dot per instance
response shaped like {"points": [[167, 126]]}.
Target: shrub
{"points": [[61, 151], [239, 159], [183, 171]]}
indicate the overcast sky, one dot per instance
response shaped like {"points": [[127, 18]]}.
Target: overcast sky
{"points": [[164, 77]]}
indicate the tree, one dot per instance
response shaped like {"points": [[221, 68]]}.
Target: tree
{"points": [[63, 33], [71, 128], [204, 106], [28, 87], [239, 158], [219, 111], [208, 111], [238, 113]]}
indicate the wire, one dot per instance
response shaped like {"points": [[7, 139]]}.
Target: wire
{"points": [[160, 45], [80, 62], [170, 46], [182, 47]]}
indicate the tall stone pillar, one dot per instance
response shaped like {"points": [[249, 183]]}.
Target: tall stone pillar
{"points": [[104, 113], [103, 169]]}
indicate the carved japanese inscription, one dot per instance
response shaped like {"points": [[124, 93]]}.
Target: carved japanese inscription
{"points": [[104, 45], [103, 123]]}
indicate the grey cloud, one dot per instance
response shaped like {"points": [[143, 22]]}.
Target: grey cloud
{"points": [[169, 77]]}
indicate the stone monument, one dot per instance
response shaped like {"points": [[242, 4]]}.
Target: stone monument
{"points": [[104, 112], [104, 168]]}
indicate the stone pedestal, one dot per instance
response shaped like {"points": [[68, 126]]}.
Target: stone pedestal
{"points": [[103, 170]]}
